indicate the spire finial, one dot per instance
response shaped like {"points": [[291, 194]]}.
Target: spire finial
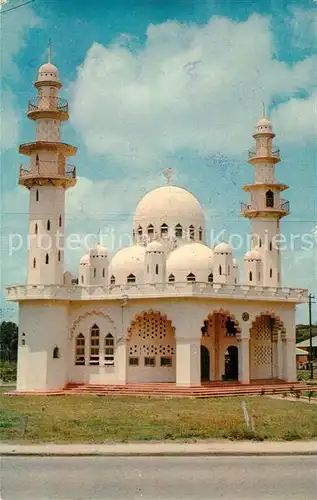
{"points": [[49, 51], [223, 235], [99, 237], [263, 110], [168, 172]]}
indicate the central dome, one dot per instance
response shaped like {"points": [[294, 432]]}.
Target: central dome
{"points": [[172, 207]]}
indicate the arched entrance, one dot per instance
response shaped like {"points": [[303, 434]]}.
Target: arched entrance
{"points": [[151, 349], [204, 363], [266, 350], [232, 363], [220, 331]]}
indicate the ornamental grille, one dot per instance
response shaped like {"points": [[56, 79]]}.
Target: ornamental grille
{"points": [[151, 350], [262, 355], [261, 330]]}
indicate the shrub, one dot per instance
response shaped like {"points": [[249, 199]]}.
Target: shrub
{"points": [[291, 435], [8, 371]]}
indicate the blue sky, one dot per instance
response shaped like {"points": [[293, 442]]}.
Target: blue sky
{"points": [[155, 84]]}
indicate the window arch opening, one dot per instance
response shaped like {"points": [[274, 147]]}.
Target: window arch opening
{"points": [[47, 259], [150, 230], [94, 345], [109, 349], [171, 278], [210, 278], [191, 277], [250, 276], [56, 352], [164, 229], [269, 198], [80, 350], [179, 231], [191, 232], [112, 280], [131, 278]]}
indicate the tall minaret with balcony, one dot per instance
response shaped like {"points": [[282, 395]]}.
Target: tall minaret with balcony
{"points": [[47, 177], [265, 208]]}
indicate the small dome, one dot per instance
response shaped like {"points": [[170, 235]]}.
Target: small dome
{"points": [[195, 258], [223, 247], [263, 125], [126, 261], [155, 246], [101, 250], [252, 255], [47, 72], [85, 259]]}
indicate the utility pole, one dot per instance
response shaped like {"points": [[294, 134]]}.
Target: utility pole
{"points": [[310, 302]]}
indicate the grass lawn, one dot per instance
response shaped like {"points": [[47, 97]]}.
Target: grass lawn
{"points": [[85, 419]]}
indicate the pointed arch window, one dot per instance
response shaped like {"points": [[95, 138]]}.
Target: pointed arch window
{"points": [[47, 259], [34, 263], [210, 278], [178, 231], [271, 246], [131, 278], [94, 345], [95, 272], [59, 255], [56, 352], [140, 231], [171, 278], [60, 221], [112, 280], [109, 349], [80, 350], [164, 229], [156, 269], [191, 277], [37, 197], [250, 276], [191, 232], [260, 242], [269, 198], [271, 273], [36, 229], [103, 272], [48, 225], [150, 230], [220, 270], [82, 279], [200, 233]]}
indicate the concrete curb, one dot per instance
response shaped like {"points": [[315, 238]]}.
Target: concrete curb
{"points": [[227, 449]]}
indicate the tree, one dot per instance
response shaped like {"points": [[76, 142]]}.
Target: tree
{"points": [[8, 341], [302, 332]]}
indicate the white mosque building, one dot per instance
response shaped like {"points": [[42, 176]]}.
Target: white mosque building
{"points": [[168, 308]]}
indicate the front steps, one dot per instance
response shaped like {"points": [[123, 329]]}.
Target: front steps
{"points": [[171, 390]]}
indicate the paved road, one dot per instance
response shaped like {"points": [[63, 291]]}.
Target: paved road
{"points": [[181, 478]]}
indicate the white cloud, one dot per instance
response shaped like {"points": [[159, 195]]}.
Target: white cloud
{"points": [[9, 124], [190, 87], [297, 115]]}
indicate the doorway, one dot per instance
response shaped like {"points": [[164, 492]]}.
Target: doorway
{"points": [[232, 363], [204, 363]]}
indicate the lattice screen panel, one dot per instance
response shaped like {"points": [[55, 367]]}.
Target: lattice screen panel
{"points": [[262, 354]]}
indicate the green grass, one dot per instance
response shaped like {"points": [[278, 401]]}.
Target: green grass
{"points": [[85, 419]]}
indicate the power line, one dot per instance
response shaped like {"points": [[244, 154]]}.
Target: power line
{"points": [[17, 6]]}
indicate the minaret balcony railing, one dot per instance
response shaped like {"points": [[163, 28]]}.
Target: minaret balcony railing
{"points": [[283, 206], [48, 104], [264, 154], [47, 169]]}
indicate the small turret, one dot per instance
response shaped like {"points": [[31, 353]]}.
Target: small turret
{"points": [[155, 263]]}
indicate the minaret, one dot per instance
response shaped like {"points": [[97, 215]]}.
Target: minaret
{"points": [[266, 207], [47, 177]]}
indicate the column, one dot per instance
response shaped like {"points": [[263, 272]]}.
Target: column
{"points": [[274, 358], [289, 357], [121, 362], [187, 361], [244, 361], [280, 359]]}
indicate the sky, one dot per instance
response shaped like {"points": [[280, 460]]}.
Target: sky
{"points": [[156, 84]]}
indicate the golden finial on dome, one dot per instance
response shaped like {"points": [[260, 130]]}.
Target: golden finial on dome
{"points": [[49, 51], [168, 172]]}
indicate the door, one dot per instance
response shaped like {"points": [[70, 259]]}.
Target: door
{"points": [[204, 363]]}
